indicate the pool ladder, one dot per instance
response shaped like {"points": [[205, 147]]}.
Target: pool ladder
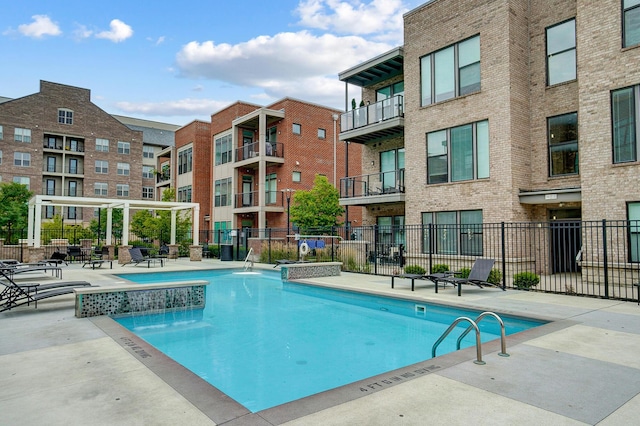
{"points": [[246, 260], [474, 326]]}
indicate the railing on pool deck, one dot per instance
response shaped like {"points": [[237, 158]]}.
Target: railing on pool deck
{"points": [[140, 298]]}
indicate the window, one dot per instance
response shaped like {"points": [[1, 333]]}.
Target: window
{"points": [[457, 232], [102, 145], [222, 192], [65, 116], [122, 190], [391, 170], [322, 134], [630, 22], [391, 233], [561, 52], [222, 232], [73, 166], [124, 147], [271, 188], [147, 172], [49, 212], [624, 106], [72, 213], [458, 154], [72, 190], [296, 177], [148, 151], [102, 167], [272, 134], [185, 161], [451, 72], [123, 169], [22, 180], [50, 187], [223, 149], [22, 135], [296, 129], [633, 214], [147, 192], [51, 164], [100, 188], [0, 157], [563, 144], [22, 159], [184, 194], [1, 133]]}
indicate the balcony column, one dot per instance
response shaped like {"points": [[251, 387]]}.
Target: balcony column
{"points": [[262, 169]]}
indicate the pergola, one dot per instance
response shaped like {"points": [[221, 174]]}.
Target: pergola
{"points": [[38, 201]]}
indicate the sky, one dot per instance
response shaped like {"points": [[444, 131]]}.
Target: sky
{"points": [[174, 62]]}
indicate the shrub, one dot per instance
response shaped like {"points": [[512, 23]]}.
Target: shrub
{"points": [[525, 280], [463, 272], [440, 268], [495, 276], [414, 269]]}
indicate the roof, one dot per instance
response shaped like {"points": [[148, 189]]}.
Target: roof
{"points": [[380, 68]]}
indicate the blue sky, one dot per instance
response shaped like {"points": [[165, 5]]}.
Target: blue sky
{"points": [[175, 62]]}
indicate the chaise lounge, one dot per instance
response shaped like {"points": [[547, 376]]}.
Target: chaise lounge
{"points": [[478, 276], [137, 258]]}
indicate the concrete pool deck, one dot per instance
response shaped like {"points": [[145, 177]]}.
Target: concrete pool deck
{"points": [[584, 368]]}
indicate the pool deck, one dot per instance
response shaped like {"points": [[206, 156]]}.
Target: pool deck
{"points": [[583, 368]]}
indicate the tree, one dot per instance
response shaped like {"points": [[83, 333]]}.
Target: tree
{"points": [[14, 208], [146, 225], [116, 224], [317, 209]]}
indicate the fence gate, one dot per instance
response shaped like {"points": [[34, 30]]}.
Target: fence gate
{"points": [[566, 241]]}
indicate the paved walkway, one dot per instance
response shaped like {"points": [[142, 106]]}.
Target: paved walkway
{"points": [[584, 368]]}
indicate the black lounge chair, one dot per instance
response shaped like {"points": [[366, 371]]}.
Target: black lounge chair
{"points": [[77, 253], [57, 258], [478, 276], [19, 268], [288, 262], [15, 294], [137, 258], [99, 259], [434, 278]]}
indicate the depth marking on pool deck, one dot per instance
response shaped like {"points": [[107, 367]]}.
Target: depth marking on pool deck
{"points": [[135, 347], [398, 378]]}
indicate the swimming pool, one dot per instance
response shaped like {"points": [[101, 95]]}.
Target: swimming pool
{"points": [[264, 342]]}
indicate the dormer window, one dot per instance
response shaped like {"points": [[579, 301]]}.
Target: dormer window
{"points": [[65, 116]]}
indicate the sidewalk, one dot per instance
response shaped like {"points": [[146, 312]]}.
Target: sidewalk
{"points": [[583, 368]]}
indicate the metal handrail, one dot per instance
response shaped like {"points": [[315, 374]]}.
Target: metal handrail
{"points": [[246, 259], [478, 360], [503, 341]]}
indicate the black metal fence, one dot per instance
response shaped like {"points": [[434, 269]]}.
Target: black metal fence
{"points": [[588, 258]]}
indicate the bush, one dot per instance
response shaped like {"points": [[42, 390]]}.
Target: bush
{"points": [[495, 276], [414, 269], [463, 272], [525, 280], [440, 268]]}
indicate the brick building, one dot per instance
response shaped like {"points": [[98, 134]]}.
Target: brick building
{"points": [[510, 110], [261, 155]]}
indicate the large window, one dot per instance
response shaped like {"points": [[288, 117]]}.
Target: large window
{"points": [[631, 23], [451, 72], [100, 188], [147, 172], [563, 144], [65, 116], [185, 161], [22, 180], [223, 146], [561, 52], [147, 192], [1, 133], [123, 169], [102, 145], [124, 147], [624, 106], [147, 151], [222, 192], [456, 232], [222, 232], [392, 170], [122, 190], [391, 233], [22, 159], [271, 188], [102, 167], [184, 194], [22, 135], [458, 154], [633, 213]]}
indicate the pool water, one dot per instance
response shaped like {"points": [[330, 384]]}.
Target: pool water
{"points": [[264, 342]]}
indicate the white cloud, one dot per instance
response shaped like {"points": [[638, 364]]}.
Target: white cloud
{"points": [[41, 26], [181, 107], [81, 32], [119, 31]]}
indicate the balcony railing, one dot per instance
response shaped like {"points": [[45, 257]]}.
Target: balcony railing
{"points": [[371, 114], [373, 184], [252, 150], [252, 199], [67, 192]]}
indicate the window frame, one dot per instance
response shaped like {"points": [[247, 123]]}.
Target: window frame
{"points": [[23, 180], [561, 52], [634, 8], [147, 172], [22, 159], [633, 234], [458, 246], [223, 192], [101, 189], [148, 192], [296, 129], [65, 116], [148, 151], [22, 135], [223, 146], [634, 145], [101, 167], [322, 133], [122, 190], [296, 176], [102, 145], [564, 143], [124, 147]]}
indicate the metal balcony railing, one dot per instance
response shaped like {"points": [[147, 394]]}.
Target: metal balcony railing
{"points": [[381, 183], [252, 150], [252, 199], [371, 114]]}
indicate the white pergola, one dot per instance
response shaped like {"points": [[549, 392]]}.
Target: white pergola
{"points": [[38, 201]]}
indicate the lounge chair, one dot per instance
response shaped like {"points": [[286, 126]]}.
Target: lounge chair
{"points": [[413, 277], [288, 262], [478, 276], [137, 258], [76, 253], [15, 294], [19, 268], [99, 259], [57, 258]]}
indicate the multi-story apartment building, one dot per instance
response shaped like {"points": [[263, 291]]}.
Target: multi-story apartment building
{"points": [[57, 142], [262, 155], [516, 110]]}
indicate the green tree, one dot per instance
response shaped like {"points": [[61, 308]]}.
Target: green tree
{"points": [[14, 208], [317, 209], [101, 226]]}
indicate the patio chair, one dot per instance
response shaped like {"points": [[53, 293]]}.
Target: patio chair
{"points": [[57, 258], [76, 253], [20, 268], [478, 276], [137, 258]]}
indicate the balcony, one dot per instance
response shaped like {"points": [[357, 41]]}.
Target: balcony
{"points": [[68, 192], [250, 201], [57, 168], [372, 122], [374, 188], [250, 153]]}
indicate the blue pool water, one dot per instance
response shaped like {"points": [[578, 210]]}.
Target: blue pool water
{"points": [[264, 342]]}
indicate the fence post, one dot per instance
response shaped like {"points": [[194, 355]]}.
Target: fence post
{"points": [[606, 261], [504, 255], [431, 246], [269, 243], [333, 232]]}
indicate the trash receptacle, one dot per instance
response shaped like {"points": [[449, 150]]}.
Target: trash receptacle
{"points": [[226, 252]]}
